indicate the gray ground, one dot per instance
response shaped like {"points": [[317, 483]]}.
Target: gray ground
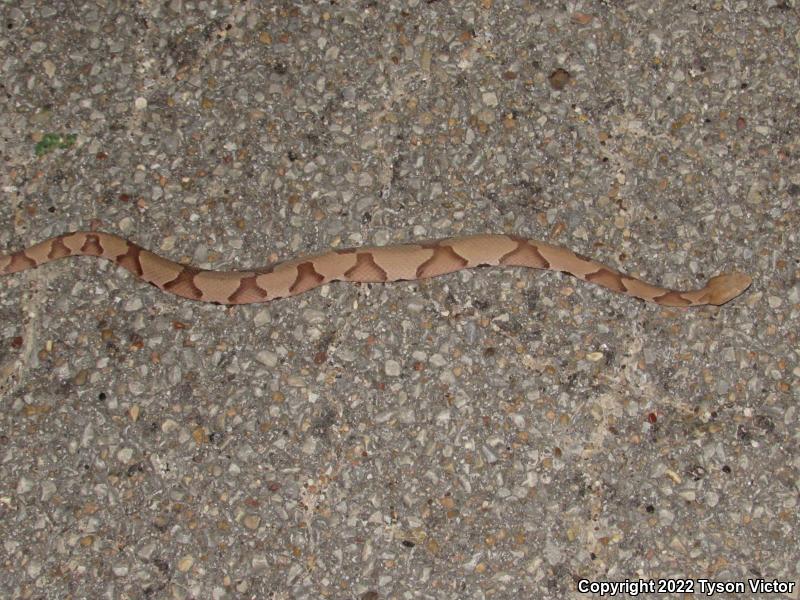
{"points": [[489, 434]]}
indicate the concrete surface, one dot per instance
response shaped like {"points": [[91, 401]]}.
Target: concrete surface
{"points": [[494, 434]]}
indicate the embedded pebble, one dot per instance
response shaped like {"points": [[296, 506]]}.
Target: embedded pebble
{"points": [[267, 358], [24, 485], [437, 360], [252, 521], [133, 304], [262, 317], [392, 368], [124, 455], [185, 563]]}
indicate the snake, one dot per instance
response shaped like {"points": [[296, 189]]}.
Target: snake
{"points": [[366, 264]]}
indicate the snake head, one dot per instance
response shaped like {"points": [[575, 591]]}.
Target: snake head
{"points": [[725, 287]]}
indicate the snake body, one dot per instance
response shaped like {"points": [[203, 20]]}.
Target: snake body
{"points": [[366, 264]]}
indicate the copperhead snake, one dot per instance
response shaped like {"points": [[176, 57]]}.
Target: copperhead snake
{"points": [[365, 264]]}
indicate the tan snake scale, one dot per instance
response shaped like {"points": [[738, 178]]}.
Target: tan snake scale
{"points": [[366, 264]]}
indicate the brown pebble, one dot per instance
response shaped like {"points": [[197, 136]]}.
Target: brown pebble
{"points": [[252, 521], [582, 18], [81, 377], [559, 79], [185, 563], [682, 121], [199, 435], [432, 546], [33, 410]]}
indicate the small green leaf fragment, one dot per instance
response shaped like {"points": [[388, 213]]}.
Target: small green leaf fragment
{"points": [[51, 141]]}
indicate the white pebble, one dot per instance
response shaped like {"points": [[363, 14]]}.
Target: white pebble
{"points": [[315, 317], [262, 317], [345, 355], [490, 99], [437, 360], [392, 368], [49, 68], [133, 304], [34, 569], [24, 485], [267, 358], [124, 456]]}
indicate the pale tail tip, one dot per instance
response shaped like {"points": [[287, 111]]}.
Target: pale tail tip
{"points": [[727, 286]]}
